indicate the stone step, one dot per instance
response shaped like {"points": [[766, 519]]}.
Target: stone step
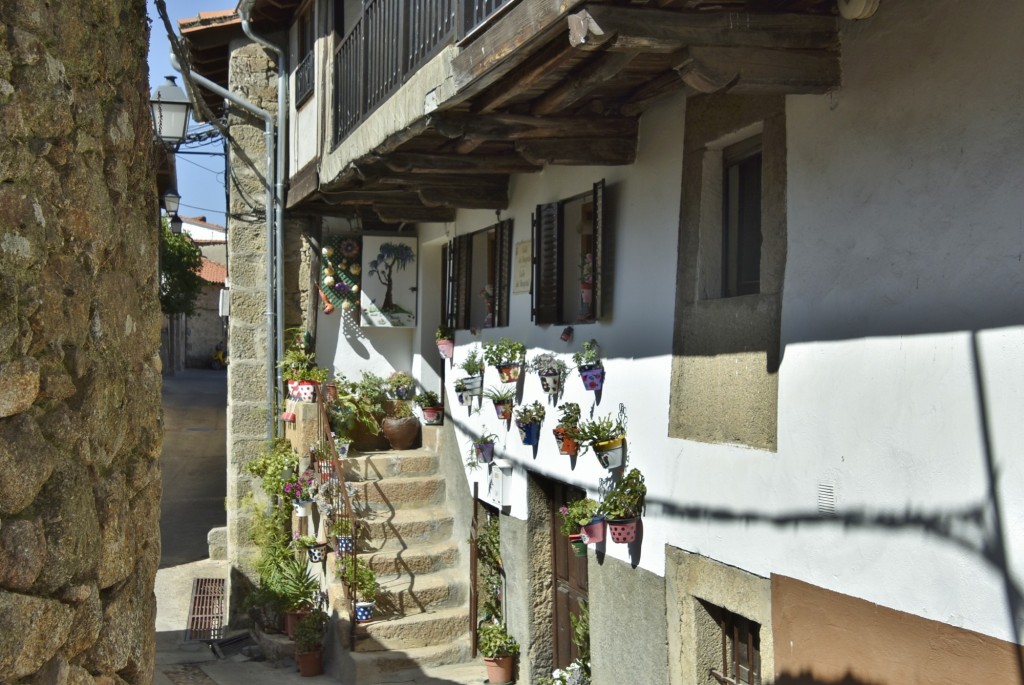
{"points": [[379, 668], [369, 466], [406, 527], [393, 494], [393, 565], [426, 629], [405, 596]]}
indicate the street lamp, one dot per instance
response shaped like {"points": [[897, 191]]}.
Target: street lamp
{"points": [[171, 202], [170, 108]]}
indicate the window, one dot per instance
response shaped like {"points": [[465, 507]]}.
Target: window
{"points": [[568, 251], [741, 648], [741, 219], [305, 70], [477, 275]]}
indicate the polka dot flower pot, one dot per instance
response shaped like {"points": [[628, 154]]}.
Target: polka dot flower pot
{"points": [[317, 553], [623, 531], [364, 611]]}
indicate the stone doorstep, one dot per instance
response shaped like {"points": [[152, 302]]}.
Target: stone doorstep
{"points": [[371, 466], [415, 665], [427, 629], [398, 493]]}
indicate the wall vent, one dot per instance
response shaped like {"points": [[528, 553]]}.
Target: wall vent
{"points": [[827, 498]]}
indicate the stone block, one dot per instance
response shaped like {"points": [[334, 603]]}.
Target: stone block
{"points": [[247, 382], [19, 385], [22, 553], [248, 306], [33, 629]]}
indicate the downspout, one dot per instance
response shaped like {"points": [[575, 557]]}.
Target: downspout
{"points": [[244, 8], [268, 138]]}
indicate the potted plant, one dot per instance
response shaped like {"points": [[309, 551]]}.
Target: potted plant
{"points": [[299, 369], [298, 587], [623, 505], [473, 366], [507, 356], [316, 551], [371, 396], [360, 579], [348, 412], [430, 404], [580, 517], [400, 427], [341, 529], [607, 437], [483, 448], [400, 386], [567, 430], [499, 650], [588, 361], [274, 467], [309, 638], [300, 488], [551, 371], [445, 337], [503, 399], [528, 420]]}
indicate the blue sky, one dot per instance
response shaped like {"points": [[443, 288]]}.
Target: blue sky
{"points": [[200, 177]]}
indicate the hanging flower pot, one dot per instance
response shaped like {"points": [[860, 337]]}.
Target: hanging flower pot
{"points": [[342, 448], [474, 385], [509, 373], [529, 432], [623, 531], [344, 543], [304, 391], [484, 452], [364, 611], [593, 532], [303, 508], [551, 382], [611, 453], [566, 444], [462, 396], [446, 348], [433, 416], [593, 377], [503, 410], [579, 548], [317, 553]]}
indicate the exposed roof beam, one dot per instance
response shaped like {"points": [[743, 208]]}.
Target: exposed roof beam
{"points": [[624, 29], [423, 163], [756, 70], [593, 75], [579, 152], [394, 214], [524, 77], [523, 127]]}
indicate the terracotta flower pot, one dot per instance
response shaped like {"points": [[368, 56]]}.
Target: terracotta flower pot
{"points": [[503, 410], [566, 445], [401, 433], [310, 663], [446, 348], [499, 669], [291, 621], [433, 416], [509, 373]]}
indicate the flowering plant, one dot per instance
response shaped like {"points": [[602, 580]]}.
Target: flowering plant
{"points": [[302, 488], [576, 514], [575, 673]]}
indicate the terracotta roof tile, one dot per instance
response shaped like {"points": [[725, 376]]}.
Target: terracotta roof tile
{"points": [[212, 272]]}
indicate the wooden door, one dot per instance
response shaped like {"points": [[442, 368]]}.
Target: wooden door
{"points": [[570, 578]]}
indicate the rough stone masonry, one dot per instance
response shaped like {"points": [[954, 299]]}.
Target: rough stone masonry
{"points": [[79, 332]]}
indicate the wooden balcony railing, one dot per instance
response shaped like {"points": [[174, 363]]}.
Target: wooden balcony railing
{"points": [[388, 43]]}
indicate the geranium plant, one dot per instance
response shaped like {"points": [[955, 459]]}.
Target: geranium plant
{"points": [[302, 488], [577, 514]]}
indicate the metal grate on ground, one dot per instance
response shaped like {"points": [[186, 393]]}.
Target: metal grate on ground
{"points": [[206, 610]]}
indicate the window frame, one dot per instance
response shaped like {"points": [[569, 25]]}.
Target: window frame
{"points": [[737, 237], [458, 276]]}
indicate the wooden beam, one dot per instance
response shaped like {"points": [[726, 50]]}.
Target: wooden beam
{"points": [[650, 92], [593, 75], [579, 152], [371, 197], [396, 214], [416, 181], [523, 127], [624, 29], [523, 78], [469, 197], [423, 163], [526, 27], [756, 70]]}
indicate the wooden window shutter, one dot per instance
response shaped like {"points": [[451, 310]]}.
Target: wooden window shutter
{"points": [[598, 220], [547, 263], [459, 253], [502, 270]]}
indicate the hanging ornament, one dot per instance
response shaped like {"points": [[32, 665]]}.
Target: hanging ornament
{"points": [[328, 251], [328, 281]]}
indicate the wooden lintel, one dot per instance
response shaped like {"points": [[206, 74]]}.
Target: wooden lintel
{"points": [[422, 163], [396, 214], [416, 181], [593, 75], [527, 26], [651, 92], [468, 197], [579, 152], [624, 29], [523, 127], [371, 197], [524, 77], [756, 70]]}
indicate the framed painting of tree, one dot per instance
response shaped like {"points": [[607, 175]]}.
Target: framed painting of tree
{"points": [[389, 281]]}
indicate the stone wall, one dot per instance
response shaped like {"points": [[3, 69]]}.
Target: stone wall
{"points": [[252, 75], [79, 365]]}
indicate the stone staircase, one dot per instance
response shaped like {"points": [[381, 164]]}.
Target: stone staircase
{"points": [[422, 617]]}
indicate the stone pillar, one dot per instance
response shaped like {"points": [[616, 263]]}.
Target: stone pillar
{"points": [[253, 76], [79, 364]]}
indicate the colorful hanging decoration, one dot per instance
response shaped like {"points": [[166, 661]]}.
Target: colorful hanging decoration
{"points": [[340, 273]]}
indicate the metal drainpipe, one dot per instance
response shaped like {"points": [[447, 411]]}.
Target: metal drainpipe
{"points": [[245, 7], [268, 138]]}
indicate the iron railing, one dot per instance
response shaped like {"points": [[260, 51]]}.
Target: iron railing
{"points": [[388, 43], [305, 78]]}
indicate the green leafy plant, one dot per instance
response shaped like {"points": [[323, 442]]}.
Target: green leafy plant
{"points": [[297, 584], [626, 498], [306, 541], [400, 385], [428, 399], [577, 513], [272, 465], [530, 413], [600, 429], [490, 568], [493, 641], [486, 439], [180, 262], [589, 356], [501, 395], [310, 630], [299, 364], [547, 364], [444, 333], [340, 527], [397, 409], [357, 574], [350, 408], [504, 352], [473, 364], [569, 417]]}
